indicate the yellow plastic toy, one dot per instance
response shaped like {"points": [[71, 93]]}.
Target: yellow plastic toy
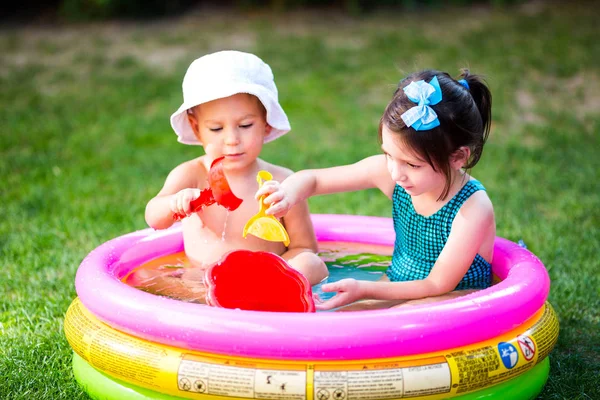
{"points": [[264, 226]]}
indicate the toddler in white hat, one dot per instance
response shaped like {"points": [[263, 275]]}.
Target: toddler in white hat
{"points": [[223, 74], [230, 107]]}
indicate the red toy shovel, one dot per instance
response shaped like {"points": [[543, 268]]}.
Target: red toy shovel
{"points": [[258, 281], [218, 191]]}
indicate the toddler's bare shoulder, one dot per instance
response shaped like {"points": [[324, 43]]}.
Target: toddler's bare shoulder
{"points": [[193, 170], [279, 173]]}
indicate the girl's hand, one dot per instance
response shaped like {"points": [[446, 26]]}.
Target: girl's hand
{"points": [[180, 201], [348, 291], [279, 199]]}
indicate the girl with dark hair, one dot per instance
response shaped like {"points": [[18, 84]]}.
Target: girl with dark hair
{"points": [[432, 133]]}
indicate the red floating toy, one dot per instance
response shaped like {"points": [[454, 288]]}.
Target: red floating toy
{"points": [[258, 281]]}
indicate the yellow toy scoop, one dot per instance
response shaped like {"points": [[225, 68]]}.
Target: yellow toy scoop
{"points": [[264, 226]]}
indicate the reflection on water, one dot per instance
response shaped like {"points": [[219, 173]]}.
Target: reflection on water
{"points": [[173, 276], [170, 276]]}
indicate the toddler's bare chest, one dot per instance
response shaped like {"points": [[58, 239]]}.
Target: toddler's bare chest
{"points": [[219, 219]]}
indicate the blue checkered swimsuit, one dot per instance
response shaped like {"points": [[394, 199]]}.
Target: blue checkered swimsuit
{"points": [[420, 240]]}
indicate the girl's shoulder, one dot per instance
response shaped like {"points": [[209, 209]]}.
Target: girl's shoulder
{"points": [[379, 174], [475, 223], [479, 205]]}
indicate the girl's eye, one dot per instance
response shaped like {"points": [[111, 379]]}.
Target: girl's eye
{"points": [[413, 165], [215, 129], [246, 126]]}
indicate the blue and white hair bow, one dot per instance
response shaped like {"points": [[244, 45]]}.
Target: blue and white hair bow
{"points": [[422, 117]]}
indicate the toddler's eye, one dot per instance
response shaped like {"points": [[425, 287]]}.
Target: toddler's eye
{"points": [[215, 129], [413, 165], [246, 126]]}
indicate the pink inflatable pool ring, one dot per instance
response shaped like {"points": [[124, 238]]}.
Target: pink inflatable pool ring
{"points": [[383, 333]]}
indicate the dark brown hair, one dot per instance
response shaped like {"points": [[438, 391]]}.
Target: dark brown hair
{"points": [[464, 115]]}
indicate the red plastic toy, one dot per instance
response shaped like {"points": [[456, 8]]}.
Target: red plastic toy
{"points": [[258, 281], [218, 191]]}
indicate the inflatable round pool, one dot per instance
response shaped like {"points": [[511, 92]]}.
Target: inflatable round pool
{"points": [[134, 345]]}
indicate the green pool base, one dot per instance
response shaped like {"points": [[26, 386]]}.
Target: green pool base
{"points": [[100, 386]]}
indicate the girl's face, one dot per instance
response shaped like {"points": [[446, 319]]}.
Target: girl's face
{"points": [[407, 169], [234, 127]]}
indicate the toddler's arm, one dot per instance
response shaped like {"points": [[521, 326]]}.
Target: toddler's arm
{"points": [[179, 190]]}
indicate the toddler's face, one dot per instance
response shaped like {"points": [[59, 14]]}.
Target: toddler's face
{"points": [[234, 127]]}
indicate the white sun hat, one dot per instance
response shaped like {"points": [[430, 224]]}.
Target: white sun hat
{"points": [[223, 74]]}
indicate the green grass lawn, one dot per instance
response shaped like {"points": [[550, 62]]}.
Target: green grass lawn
{"points": [[85, 142]]}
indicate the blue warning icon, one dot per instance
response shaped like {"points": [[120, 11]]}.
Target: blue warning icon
{"points": [[508, 354]]}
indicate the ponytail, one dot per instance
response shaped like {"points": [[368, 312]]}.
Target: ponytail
{"points": [[482, 97]]}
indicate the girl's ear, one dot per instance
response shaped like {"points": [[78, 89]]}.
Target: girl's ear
{"points": [[460, 157]]}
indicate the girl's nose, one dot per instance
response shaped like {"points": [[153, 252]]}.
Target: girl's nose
{"points": [[397, 173]]}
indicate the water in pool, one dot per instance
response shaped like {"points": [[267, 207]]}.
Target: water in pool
{"points": [[172, 276]]}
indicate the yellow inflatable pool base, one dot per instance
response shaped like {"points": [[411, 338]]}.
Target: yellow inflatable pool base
{"points": [[167, 370]]}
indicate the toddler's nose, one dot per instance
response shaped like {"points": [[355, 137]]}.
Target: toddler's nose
{"points": [[232, 138]]}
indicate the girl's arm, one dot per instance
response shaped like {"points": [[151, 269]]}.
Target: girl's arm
{"points": [[301, 253], [473, 231], [302, 250], [472, 228], [368, 173]]}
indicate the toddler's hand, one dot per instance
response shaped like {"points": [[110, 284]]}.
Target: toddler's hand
{"points": [[279, 200], [348, 291], [180, 201]]}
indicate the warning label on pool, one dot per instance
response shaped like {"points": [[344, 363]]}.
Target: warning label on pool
{"points": [[382, 381], [229, 378]]}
